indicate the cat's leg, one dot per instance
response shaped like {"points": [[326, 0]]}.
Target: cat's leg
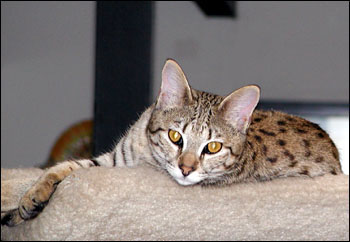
{"points": [[36, 198], [128, 152]]}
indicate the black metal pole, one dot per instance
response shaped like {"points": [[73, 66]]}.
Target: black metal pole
{"points": [[123, 68]]}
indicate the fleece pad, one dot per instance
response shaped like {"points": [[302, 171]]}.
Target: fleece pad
{"points": [[144, 204]]}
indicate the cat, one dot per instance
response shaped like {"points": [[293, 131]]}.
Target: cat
{"points": [[201, 138]]}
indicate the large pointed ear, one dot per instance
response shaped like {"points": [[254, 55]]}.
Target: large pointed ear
{"points": [[174, 90], [238, 107]]}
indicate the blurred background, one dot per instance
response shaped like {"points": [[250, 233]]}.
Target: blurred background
{"points": [[90, 68]]}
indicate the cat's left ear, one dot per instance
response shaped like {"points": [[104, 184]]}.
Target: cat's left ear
{"points": [[174, 90], [237, 108]]}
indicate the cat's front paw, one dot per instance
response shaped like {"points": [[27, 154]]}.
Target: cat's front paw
{"points": [[30, 205], [34, 201]]}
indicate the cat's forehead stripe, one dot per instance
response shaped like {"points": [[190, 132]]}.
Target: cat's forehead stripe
{"points": [[204, 102], [184, 127]]}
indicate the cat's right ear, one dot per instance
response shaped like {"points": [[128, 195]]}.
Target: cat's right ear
{"points": [[174, 90]]}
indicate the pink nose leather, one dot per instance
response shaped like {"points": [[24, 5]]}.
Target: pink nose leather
{"points": [[186, 170]]}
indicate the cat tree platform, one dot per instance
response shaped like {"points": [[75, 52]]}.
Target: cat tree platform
{"points": [[144, 204]]}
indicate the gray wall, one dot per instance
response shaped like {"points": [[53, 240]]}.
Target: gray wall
{"points": [[46, 75], [293, 50]]}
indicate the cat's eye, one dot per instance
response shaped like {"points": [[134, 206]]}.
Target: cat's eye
{"points": [[212, 147], [175, 137]]}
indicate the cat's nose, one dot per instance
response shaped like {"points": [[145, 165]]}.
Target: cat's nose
{"points": [[187, 163], [186, 170]]}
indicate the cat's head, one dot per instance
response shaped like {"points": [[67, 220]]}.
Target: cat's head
{"points": [[197, 136]]}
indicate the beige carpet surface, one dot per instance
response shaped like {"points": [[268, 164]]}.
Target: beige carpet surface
{"points": [[144, 204]]}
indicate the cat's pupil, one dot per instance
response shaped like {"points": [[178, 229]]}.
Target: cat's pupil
{"points": [[180, 142]]}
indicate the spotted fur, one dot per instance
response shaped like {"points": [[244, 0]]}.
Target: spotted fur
{"points": [[256, 145]]}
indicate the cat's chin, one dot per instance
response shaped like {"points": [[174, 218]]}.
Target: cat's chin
{"points": [[184, 182], [192, 179]]}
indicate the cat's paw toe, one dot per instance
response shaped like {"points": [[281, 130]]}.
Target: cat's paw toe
{"points": [[30, 206], [12, 218]]}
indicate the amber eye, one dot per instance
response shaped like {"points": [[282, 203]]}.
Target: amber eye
{"points": [[213, 147], [175, 137]]}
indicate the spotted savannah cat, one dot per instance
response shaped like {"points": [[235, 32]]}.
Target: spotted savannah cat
{"points": [[201, 138]]}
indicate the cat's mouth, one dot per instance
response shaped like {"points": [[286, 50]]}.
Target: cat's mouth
{"points": [[189, 180]]}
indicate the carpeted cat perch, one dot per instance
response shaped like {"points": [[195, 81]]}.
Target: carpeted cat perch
{"points": [[145, 204]]}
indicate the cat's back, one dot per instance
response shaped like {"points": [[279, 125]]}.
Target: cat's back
{"points": [[291, 145]]}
